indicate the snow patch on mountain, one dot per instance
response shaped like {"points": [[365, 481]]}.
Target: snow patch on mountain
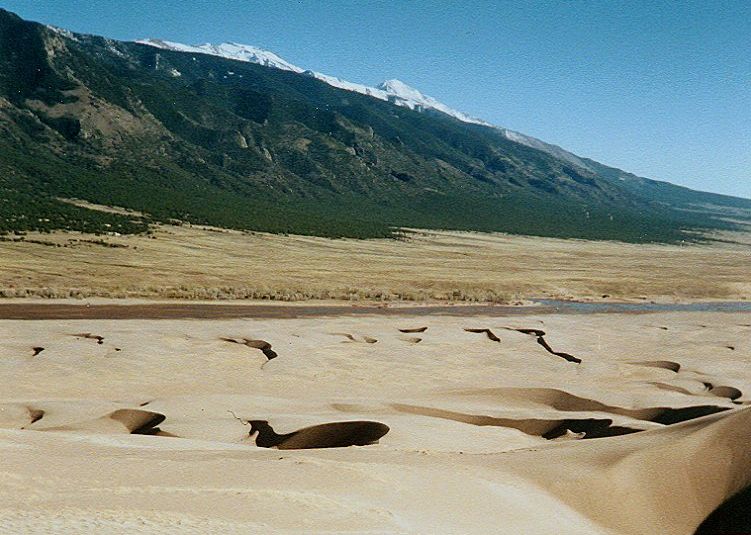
{"points": [[349, 86], [405, 95], [236, 51], [62, 31], [553, 150]]}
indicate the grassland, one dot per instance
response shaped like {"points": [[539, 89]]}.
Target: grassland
{"points": [[205, 263]]}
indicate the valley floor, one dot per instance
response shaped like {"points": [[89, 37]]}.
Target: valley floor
{"points": [[467, 423], [356, 409], [204, 263]]}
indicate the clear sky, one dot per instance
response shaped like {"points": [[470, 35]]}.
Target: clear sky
{"points": [[661, 89]]}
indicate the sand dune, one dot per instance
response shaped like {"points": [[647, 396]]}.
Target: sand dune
{"points": [[561, 400], [139, 426], [663, 481]]}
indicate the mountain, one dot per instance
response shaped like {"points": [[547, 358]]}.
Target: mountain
{"points": [[192, 135], [401, 94], [395, 91]]}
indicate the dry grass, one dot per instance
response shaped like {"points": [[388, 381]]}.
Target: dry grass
{"points": [[202, 263]]}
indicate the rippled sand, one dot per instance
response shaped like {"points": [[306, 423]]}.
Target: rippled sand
{"points": [[374, 423]]}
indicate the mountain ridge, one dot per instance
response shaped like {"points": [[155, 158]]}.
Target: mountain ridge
{"points": [[187, 136], [393, 88]]}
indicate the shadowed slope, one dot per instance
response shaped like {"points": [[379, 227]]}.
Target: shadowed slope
{"points": [[330, 435], [138, 422], [546, 428], [664, 364], [564, 401], [733, 517], [130, 421], [729, 392]]}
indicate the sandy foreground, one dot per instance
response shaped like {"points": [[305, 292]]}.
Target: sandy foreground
{"points": [[143, 426]]}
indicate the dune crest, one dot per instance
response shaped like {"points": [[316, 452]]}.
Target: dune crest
{"points": [[643, 483]]}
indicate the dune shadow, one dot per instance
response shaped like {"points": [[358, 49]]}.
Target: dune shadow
{"points": [[137, 421], [351, 338], [549, 429], [733, 517], [664, 364], [540, 336], [261, 345], [35, 415], [487, 332], [414, 330], [89, 336], [328, 435], [672, 388], [670, 416], [531, 332], [565, 356], [563, 401], [729, 392]]}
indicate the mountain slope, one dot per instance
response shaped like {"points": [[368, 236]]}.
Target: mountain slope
{"points": [[206, 139], [399, 93]]}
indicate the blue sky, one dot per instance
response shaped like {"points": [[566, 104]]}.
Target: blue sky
{"points": [[661, 89]]}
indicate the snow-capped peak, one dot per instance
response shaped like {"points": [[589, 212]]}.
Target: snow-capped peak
{"points": [[399, 88], [408, 96], [394, 91], [62, 31], [248, 53]]}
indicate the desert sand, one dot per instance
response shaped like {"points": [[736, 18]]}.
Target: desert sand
{"points": [[439, 423]]}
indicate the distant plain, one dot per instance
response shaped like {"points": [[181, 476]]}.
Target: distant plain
{"points": [[198, 263]]}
